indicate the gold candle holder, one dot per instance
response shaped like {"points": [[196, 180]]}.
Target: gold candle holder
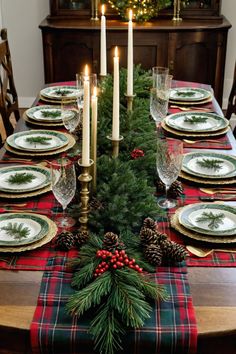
{"points": [[94, 10], [130, 99], [178, 18], [175, 11], [115, 145], [84, 178]]}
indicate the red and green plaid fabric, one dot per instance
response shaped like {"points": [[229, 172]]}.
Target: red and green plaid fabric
{"points": [[171, 328]]}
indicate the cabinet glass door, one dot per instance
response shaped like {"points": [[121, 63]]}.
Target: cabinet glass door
{"points": [[74, 4]]}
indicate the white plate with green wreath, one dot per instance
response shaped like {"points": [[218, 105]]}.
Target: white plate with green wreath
{"points": [[21, 179], [210, 165], [21, 229], [61, 92], [45, 113], [196, 122], [209, 218], [38, 140], [189, 94]]}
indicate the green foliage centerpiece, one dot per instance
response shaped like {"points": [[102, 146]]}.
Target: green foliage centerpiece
{"points": [[112, 274]]}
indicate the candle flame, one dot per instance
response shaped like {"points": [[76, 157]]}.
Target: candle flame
{"points": [[86, 70], [116, 51], [130, 15], [103, 9]]}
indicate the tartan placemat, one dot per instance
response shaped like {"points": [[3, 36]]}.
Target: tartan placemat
{"points": [[171, 328], [222, 143]]}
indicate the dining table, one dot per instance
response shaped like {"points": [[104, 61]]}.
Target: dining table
{"points": [[213, 288]]}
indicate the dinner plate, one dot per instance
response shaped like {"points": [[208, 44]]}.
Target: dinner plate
{"points": [[189, 94], [195, 217], [225, 165], [21, 229], [196, 122], [11, 178], [60, 92], [42, 123], [52, 140], [45, 113]]}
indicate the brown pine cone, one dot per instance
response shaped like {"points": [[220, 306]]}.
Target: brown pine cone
{"points": [[153, 254], [80, 238], [110, 241], [95, 204], [150, 224], [65, 240], [173, 252], [175, 190], [148, 236]]}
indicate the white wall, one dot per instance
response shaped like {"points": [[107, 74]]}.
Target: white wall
{"points": [[22, 18]]}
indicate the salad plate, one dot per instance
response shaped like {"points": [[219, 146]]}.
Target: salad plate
{"points": [[38, 140], [189, 94], [21, 178], [210, 165], [21, 229], [45, 113], [209, 218], [196, 122], [61, 92]]}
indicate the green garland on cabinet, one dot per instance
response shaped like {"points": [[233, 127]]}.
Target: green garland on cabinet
{"points": [[115, 282]]}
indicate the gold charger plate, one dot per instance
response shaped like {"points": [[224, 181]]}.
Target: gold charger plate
{"points": [[174, 221], [50, 235], [41, 123], [26, 194], [200, 180], [71, 143], [191, 103], [45, 99], [193, 135]]}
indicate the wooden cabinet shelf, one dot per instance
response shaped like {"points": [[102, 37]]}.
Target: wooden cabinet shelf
{"points": [[194, 50]]}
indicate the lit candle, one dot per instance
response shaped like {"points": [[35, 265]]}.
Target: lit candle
{"points": [[94, 123], [103, 46], [86, 120], [130, 56], [116, 98]]}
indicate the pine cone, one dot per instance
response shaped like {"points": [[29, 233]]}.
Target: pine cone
{"points": [[153, 254], [148, 236], [110, 241], [150, 224], [172, 251], [80, 238], [65, 240], [175, 190], [95, 204]]}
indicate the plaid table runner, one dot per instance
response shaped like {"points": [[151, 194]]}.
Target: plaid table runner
{"points": [[171, 328]]}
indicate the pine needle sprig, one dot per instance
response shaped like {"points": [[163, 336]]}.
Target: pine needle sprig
{"points": [[43, 140], [16, 230], [214, 164], [185, 93], [215, 220], [21, 178], [62, 92], [195, 119], [52, 114]]}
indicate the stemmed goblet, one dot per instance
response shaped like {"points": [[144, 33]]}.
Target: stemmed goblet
{"points": [[70, 114], [168, 162], [63, 181]]}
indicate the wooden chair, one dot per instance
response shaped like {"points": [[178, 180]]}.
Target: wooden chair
{"points": [[231, 108], [9, 109]]}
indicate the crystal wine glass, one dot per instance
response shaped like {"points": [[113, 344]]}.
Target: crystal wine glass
{"points": [[63, 180], [70, 114], [168, 162]]}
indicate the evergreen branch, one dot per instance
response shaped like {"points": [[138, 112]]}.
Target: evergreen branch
{"points": [[21, 178], [15, 230], [62, 92], [195, 119], [214, 219], [43, 140], [52, 114], [185, 93], [85, 275], [214, 164], [90, 296]]}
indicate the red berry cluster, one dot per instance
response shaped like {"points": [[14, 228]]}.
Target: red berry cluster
{"points": [[136, 153], [115, 260]]}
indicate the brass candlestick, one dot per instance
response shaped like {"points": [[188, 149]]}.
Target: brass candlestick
{"points": [[84, 178], [94, 10], [178, 11], [115, 145], [175, 11], [130, 99]]}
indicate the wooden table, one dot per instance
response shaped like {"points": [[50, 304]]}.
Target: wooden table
{"points": [[213, 291]]}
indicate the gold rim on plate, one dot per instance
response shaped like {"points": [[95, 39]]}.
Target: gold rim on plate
{"points": [[219, 181], [71, 143], [50, 235], [174, 221], [44, 124], [193, 135]]}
